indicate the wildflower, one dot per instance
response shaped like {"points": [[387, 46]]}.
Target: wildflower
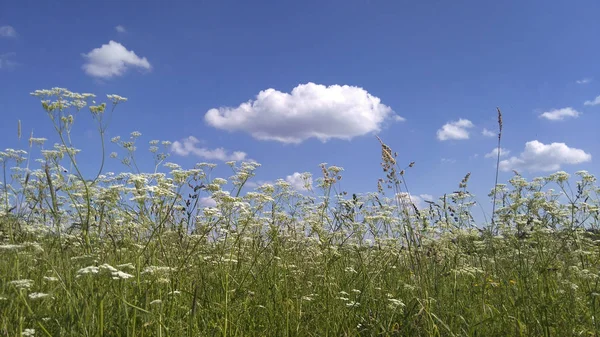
{"points": [[219, 181], [126, 265], [108, 267], [172, 166], [352, 304], [119, 275], [28, 332], [308, 298], [560, 176], [156, 270], [22, 284], [35, 296], [88, 270], [10, 247], [395, 303], [116, 98]]}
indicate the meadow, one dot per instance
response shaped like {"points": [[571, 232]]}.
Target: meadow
{"points": [[137, 254]]}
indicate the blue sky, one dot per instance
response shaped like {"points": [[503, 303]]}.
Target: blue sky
{"points": [[332, 75]]}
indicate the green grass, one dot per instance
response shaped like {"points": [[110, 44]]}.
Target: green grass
{"points": [[278, 263]]}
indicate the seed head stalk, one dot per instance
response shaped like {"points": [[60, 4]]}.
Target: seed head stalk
{"points": [[494, 227]]}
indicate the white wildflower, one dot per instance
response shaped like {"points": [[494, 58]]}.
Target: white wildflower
{"points": [[119, 275], [308, 298], [22, 284], [10, 247], [28, 332], [88, 270], [156, 270], [395, 303], [35, 296], [116, 98], [126, 266]]}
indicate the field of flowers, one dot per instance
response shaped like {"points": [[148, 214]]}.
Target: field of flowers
{"points": [[136, 254]]}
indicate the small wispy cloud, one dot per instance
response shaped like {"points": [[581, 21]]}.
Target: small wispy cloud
{"points": [[6, 61], [584, 81], [494, 153], [189, 146], [560, 114], [455, 130], [8, 31], [207, 202], [488, 133], [596, 101], [120, 29], [111, 60]]}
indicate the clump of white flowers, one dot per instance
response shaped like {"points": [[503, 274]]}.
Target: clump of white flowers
{"points": [[104, 269], [35, 296], [28, 333], [22, 284]]}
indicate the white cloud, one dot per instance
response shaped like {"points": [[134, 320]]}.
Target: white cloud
{"points": [[545, 157], [299, 181], [418, 200], [120, 29], [207, 202], [309, 111], [448, 160], [7, 31], [455, 130], [188, 146], [111, 60], [6, 62], [488, 133], [494, 153], [596, 101], [584, 81], [560, 114]]}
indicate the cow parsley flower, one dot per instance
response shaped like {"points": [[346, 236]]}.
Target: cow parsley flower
{"points": [[35, 296], [88, 270], [22, 284], [28, 332], [119, 275]]}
